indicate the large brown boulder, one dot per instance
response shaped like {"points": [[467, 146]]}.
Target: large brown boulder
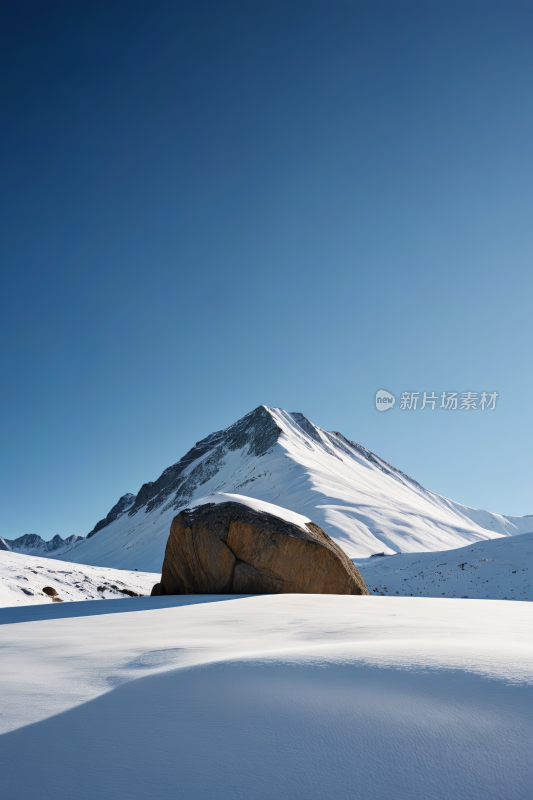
{"points": [[230, 548]]}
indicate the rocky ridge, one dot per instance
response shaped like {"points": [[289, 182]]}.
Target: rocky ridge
{"points": [[123, 505], [32, 544]]}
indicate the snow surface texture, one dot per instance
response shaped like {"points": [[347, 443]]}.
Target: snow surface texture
{"points": [[23, 578], [362, 502], [286, 697], [499, 569]]}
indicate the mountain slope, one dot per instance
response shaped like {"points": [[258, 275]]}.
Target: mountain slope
{"points": [[363, 503]]}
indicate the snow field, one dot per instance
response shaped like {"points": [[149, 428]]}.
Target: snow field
{"points": [[280, 696], [23, 578], [499, 569]]}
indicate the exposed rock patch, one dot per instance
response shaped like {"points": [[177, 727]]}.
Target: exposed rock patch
{"points": [[229, 548], [115, 588]]}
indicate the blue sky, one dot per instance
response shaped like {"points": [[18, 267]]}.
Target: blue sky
{"points": [[208, 206]]}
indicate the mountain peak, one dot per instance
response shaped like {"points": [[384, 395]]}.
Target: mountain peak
{"points": [[256, 434], [365, 504], [257, 431]]}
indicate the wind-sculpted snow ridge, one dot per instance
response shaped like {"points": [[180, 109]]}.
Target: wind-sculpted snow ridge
{"points": [[23, 578], [364, 504], [499, 569]]}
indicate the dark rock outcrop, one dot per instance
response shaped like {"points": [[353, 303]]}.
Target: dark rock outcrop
{"points": [[3, 545], [229, 548]]}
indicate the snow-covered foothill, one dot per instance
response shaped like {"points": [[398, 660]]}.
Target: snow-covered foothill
{"points": [[499, 569], [360, 500], [280, 697], [23, 578]]}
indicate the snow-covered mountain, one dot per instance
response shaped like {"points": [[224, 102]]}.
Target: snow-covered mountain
{"points": [[32, 544], [360, 500]]}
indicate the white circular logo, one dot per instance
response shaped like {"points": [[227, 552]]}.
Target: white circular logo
{"points": [[384, 400]]}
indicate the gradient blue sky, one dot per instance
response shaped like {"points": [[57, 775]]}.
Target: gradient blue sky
{"points": [[207, 206]]}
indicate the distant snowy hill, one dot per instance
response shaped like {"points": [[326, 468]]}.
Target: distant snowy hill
{"points": [[32, 544], [500, 569], [23, 578], [364, 503]]}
